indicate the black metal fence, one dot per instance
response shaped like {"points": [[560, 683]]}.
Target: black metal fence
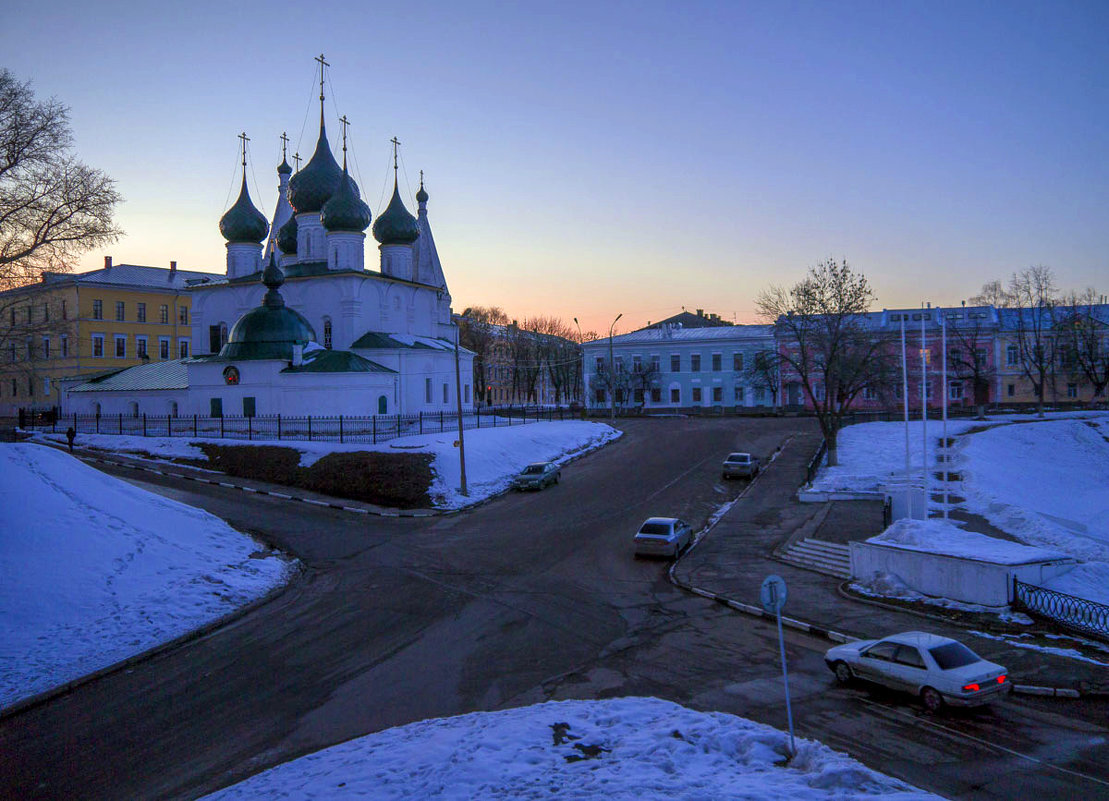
{"points": [[816, 461], [1069, 611], [341, 428]]}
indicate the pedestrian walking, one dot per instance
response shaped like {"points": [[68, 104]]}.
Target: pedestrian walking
{"points": [[70, 434]]}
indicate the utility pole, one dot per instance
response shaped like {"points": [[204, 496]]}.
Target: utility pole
{"points": [[612, 372], [458, 393]]}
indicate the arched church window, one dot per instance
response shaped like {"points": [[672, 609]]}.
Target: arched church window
{"points": [[382, 405], [97, 409], [173, 408], [327, 333], [134, 409]]}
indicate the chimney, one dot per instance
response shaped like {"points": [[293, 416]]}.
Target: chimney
{"points": [[107, 262], [172, 267], [964, 304], [298, 355], [700, 312]]}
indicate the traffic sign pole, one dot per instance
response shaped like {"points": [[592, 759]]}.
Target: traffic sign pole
{"points": [[773, 597]]}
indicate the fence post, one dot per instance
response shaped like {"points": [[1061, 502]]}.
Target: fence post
{"points": [[340, 429], [196, 426], [249, 429], [144, 424], [75, 421], [440, 421], [421, 422], [121, 423], [169, 425], [221, 418], [375, 428], [309, 428]]}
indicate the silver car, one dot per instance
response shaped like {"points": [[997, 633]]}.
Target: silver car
{"points": [[538, 475], [938, 670], [663, 536], [740, 465]]}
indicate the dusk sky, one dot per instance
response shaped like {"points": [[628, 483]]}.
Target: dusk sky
{"points": [[593, 159]]}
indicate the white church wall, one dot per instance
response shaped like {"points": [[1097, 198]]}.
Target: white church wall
{"points": [[156, 403]]}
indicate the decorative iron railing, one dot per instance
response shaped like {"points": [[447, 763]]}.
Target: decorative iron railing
{"points": [[1069, 611], [341, 428], [816, 461]]}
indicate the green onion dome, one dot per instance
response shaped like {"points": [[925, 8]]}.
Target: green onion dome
{"points": [[243, 222], [344, 211], [287, 237], [310, 188], [396, 226], [421, 193], [283, 168], [271, 330]]}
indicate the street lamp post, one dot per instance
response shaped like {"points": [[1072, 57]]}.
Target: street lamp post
{"points": [[611, 373], [579, 378]]}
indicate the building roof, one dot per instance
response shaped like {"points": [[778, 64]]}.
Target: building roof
{"points": [[134, 275], [155, 375], [690, 320], [336, 361], [673, 334], [269, 331], [380, 340]]}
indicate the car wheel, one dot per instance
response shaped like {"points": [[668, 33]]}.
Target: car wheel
{"points": [[843, 673], [933, 701]]}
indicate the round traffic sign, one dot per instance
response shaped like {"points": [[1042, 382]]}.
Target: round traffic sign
{"points": [[772, 594]]}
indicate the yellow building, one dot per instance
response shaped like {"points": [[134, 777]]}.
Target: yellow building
{"points": [[73, 324]]}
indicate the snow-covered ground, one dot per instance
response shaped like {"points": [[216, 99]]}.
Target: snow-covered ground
{"points": [[1045, 482], [614, 750], [96, 570], [493, 455]]}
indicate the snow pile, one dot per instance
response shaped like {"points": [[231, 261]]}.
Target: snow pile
{"points": [[624, 748], [1046, 483], [943, 537], [493, 455], [96, 570], [1089, 581]]}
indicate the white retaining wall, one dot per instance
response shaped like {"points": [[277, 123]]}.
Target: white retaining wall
{"points": [[958, 578]]}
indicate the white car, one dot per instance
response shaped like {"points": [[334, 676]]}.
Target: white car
{"points": [[740, 465], [936, 669], [663, 536]]}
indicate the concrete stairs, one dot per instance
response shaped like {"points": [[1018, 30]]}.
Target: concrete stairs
{"points": [[830, 558]]}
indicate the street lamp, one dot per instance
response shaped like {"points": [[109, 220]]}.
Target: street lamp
{"points": [[579, 377], [611, 374]]}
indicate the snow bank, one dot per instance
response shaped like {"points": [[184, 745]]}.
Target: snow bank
{"points": [[624, 748], [943, 537], [96, 570]]}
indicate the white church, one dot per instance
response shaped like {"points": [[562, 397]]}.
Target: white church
{"points": [[299, 325]]}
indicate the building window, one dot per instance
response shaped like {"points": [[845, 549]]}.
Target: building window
{"points": [[183, 349], [65, 309], [738, 393], [656, 395], [140, 312], [637, 364], [446, 393], [98, 310], [327, 333], [1072, 390], [737, 361], [954, 356], [46, 312], [163, 347], [98, 346], [121, 346], [11, 352], [119, 311], [65, 346], [695, 363], [718, 394], [619, 364], [465, 393], [1011, 355], [696, 394], [427, 390], [716, 363], [248, 407], [870, 394], [163, 314], [140, 347], [639, 396], [213, 339], [600, 396], [955, 390], [183, 315], [46, 347], [675, 395], [30, 386], [215, 407], [1011, 390], [600, 364], [675, 363], [818, 392], [980, 356]]}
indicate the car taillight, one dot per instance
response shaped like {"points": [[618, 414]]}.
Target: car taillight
{"points": [[1001, 679], [971, 688]]}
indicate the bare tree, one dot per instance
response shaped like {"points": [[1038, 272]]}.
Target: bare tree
{"points": [[560, 354], [969, 359], [763, 371], [643, 377], [523, 348], [993, 294], [615, 382], [1083, 328], [827, 346], [1033, 298], [480, 328], [53, 207]]}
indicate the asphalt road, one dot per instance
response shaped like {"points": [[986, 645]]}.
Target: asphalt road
{"points": [[529, 598]]}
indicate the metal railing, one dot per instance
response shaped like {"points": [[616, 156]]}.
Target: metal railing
{"points": [[340, 428], [816, 461], [1068, 611]]}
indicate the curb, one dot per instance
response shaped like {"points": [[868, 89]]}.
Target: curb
{"points": [[26, 704], [820, 631]]}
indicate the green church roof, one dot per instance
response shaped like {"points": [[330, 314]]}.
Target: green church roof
{"points": [[396, 225], [336, 361], [243, 222], [345, 211], [271, 330]]}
